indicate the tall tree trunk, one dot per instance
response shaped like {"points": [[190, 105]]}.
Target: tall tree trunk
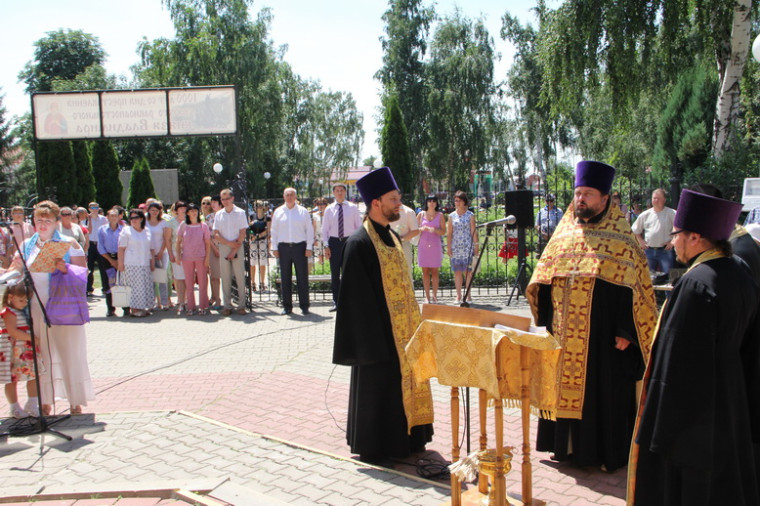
{"points": [[731, 71]]}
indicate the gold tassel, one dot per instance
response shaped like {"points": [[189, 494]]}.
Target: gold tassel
{"points": [[466, 468]]}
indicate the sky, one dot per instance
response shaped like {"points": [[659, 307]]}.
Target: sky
{"points": [[336, 42]]}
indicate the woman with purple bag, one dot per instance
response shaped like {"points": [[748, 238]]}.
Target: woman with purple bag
{"points": [[64, 373]]}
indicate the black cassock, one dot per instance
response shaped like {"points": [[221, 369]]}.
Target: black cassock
{"points": [[603, 435], [747, 249], [700, 427], [377, 424]]}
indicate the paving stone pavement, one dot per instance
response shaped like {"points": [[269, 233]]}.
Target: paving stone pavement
{"points": [[254, 399]]}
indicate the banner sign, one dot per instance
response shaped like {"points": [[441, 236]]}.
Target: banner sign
{"points": [[134, 113], [119, 114]]}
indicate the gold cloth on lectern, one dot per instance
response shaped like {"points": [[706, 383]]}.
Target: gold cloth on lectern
{"points": [[465, 355]]}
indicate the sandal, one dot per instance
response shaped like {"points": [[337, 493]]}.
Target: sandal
{"points": [[75, 410]]}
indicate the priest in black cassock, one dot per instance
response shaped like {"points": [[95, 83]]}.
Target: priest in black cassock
{"points": [[592, 289], [698, 428], [389, 414]]}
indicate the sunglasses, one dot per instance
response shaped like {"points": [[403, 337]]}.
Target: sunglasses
{"points": [[205, 203], [94, 207], [135, 218], [65, 214]]}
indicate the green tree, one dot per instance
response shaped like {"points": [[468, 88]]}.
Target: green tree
{"points": [[460, 80], [56, 179], [84, 180], [407, 25], [685, 127], [217, 43], [140, 184], [62, 54], [394, 146], [588, 43], [105, 169]]}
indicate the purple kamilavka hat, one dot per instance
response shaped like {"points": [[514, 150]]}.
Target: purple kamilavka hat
{"points": [[709, 216], [594, 174], [376, 184]]}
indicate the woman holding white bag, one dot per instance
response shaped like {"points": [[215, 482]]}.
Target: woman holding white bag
{"points": [[136, 262]]}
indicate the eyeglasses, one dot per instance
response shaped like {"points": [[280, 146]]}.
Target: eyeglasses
{"points": [[676, 232], [205, 203]]}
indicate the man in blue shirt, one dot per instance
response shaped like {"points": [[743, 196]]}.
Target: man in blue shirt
{"points": [[108, 247], [547, 220]]}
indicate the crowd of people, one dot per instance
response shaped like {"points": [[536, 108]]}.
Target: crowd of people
{"points": [[691, 435]]}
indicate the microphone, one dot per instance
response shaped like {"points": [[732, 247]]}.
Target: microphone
{"points": [[509, 220]]}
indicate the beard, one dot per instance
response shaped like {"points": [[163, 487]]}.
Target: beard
{"points": [[391, 214], [586, 212]]}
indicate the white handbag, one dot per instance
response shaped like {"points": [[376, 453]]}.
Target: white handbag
{"points": [[159, 275], [120, 293]]}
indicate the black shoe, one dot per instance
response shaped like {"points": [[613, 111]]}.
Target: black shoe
{"points": [[333, 308], [305, 311], [111, 312], [286, 311]]}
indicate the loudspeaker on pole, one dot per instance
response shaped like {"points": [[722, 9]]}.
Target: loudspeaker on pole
{"points": [[519, 203]]}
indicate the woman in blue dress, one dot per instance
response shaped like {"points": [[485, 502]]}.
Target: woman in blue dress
{"points": [[462, 242]]}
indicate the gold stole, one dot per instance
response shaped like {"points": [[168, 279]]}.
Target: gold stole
{"points": [[633, 455], [405, 318], [571, 300]]}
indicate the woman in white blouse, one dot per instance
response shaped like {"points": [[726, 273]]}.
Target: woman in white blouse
{"points": [[137, 261]]}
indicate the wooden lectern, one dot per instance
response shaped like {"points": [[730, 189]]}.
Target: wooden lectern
{"points": [[469, 367]]}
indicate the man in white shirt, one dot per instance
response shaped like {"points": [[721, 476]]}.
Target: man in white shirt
{"points": [[292, 235], [94, 221], [230, 226], [407, 229], [341, 219], [652, 229]]}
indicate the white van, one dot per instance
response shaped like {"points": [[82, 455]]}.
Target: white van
{"points": [[751, 193]]}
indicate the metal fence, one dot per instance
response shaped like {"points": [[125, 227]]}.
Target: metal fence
{"points": [[495, 276]]}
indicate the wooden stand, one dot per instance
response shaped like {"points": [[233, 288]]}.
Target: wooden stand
{"points": [[493, 493]]}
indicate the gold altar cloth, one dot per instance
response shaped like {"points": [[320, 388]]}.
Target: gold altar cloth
{"points": [[466, 356]]}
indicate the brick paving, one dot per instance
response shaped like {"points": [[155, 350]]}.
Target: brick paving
{"points": [[253, 399]]}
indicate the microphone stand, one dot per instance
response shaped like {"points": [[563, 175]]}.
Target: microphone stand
{"points": [[34, 425], [464, 303]]}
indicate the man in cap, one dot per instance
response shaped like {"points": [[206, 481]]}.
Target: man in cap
{"points": [[592, 289], [547, 220], [698, 430], [342, 218], [377, 315]]}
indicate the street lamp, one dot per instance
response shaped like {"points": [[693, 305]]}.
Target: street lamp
{"points": [[378, 163], [267, 175], [218, 168]]}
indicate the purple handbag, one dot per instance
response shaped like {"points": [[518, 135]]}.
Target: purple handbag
{"points": [[67, 304]]}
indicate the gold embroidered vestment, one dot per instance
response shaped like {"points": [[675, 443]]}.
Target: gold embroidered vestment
{"points": [[577, 255]]}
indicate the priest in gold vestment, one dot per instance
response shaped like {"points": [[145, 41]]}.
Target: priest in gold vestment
{"points": [[389, 414], [592, 289]]}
